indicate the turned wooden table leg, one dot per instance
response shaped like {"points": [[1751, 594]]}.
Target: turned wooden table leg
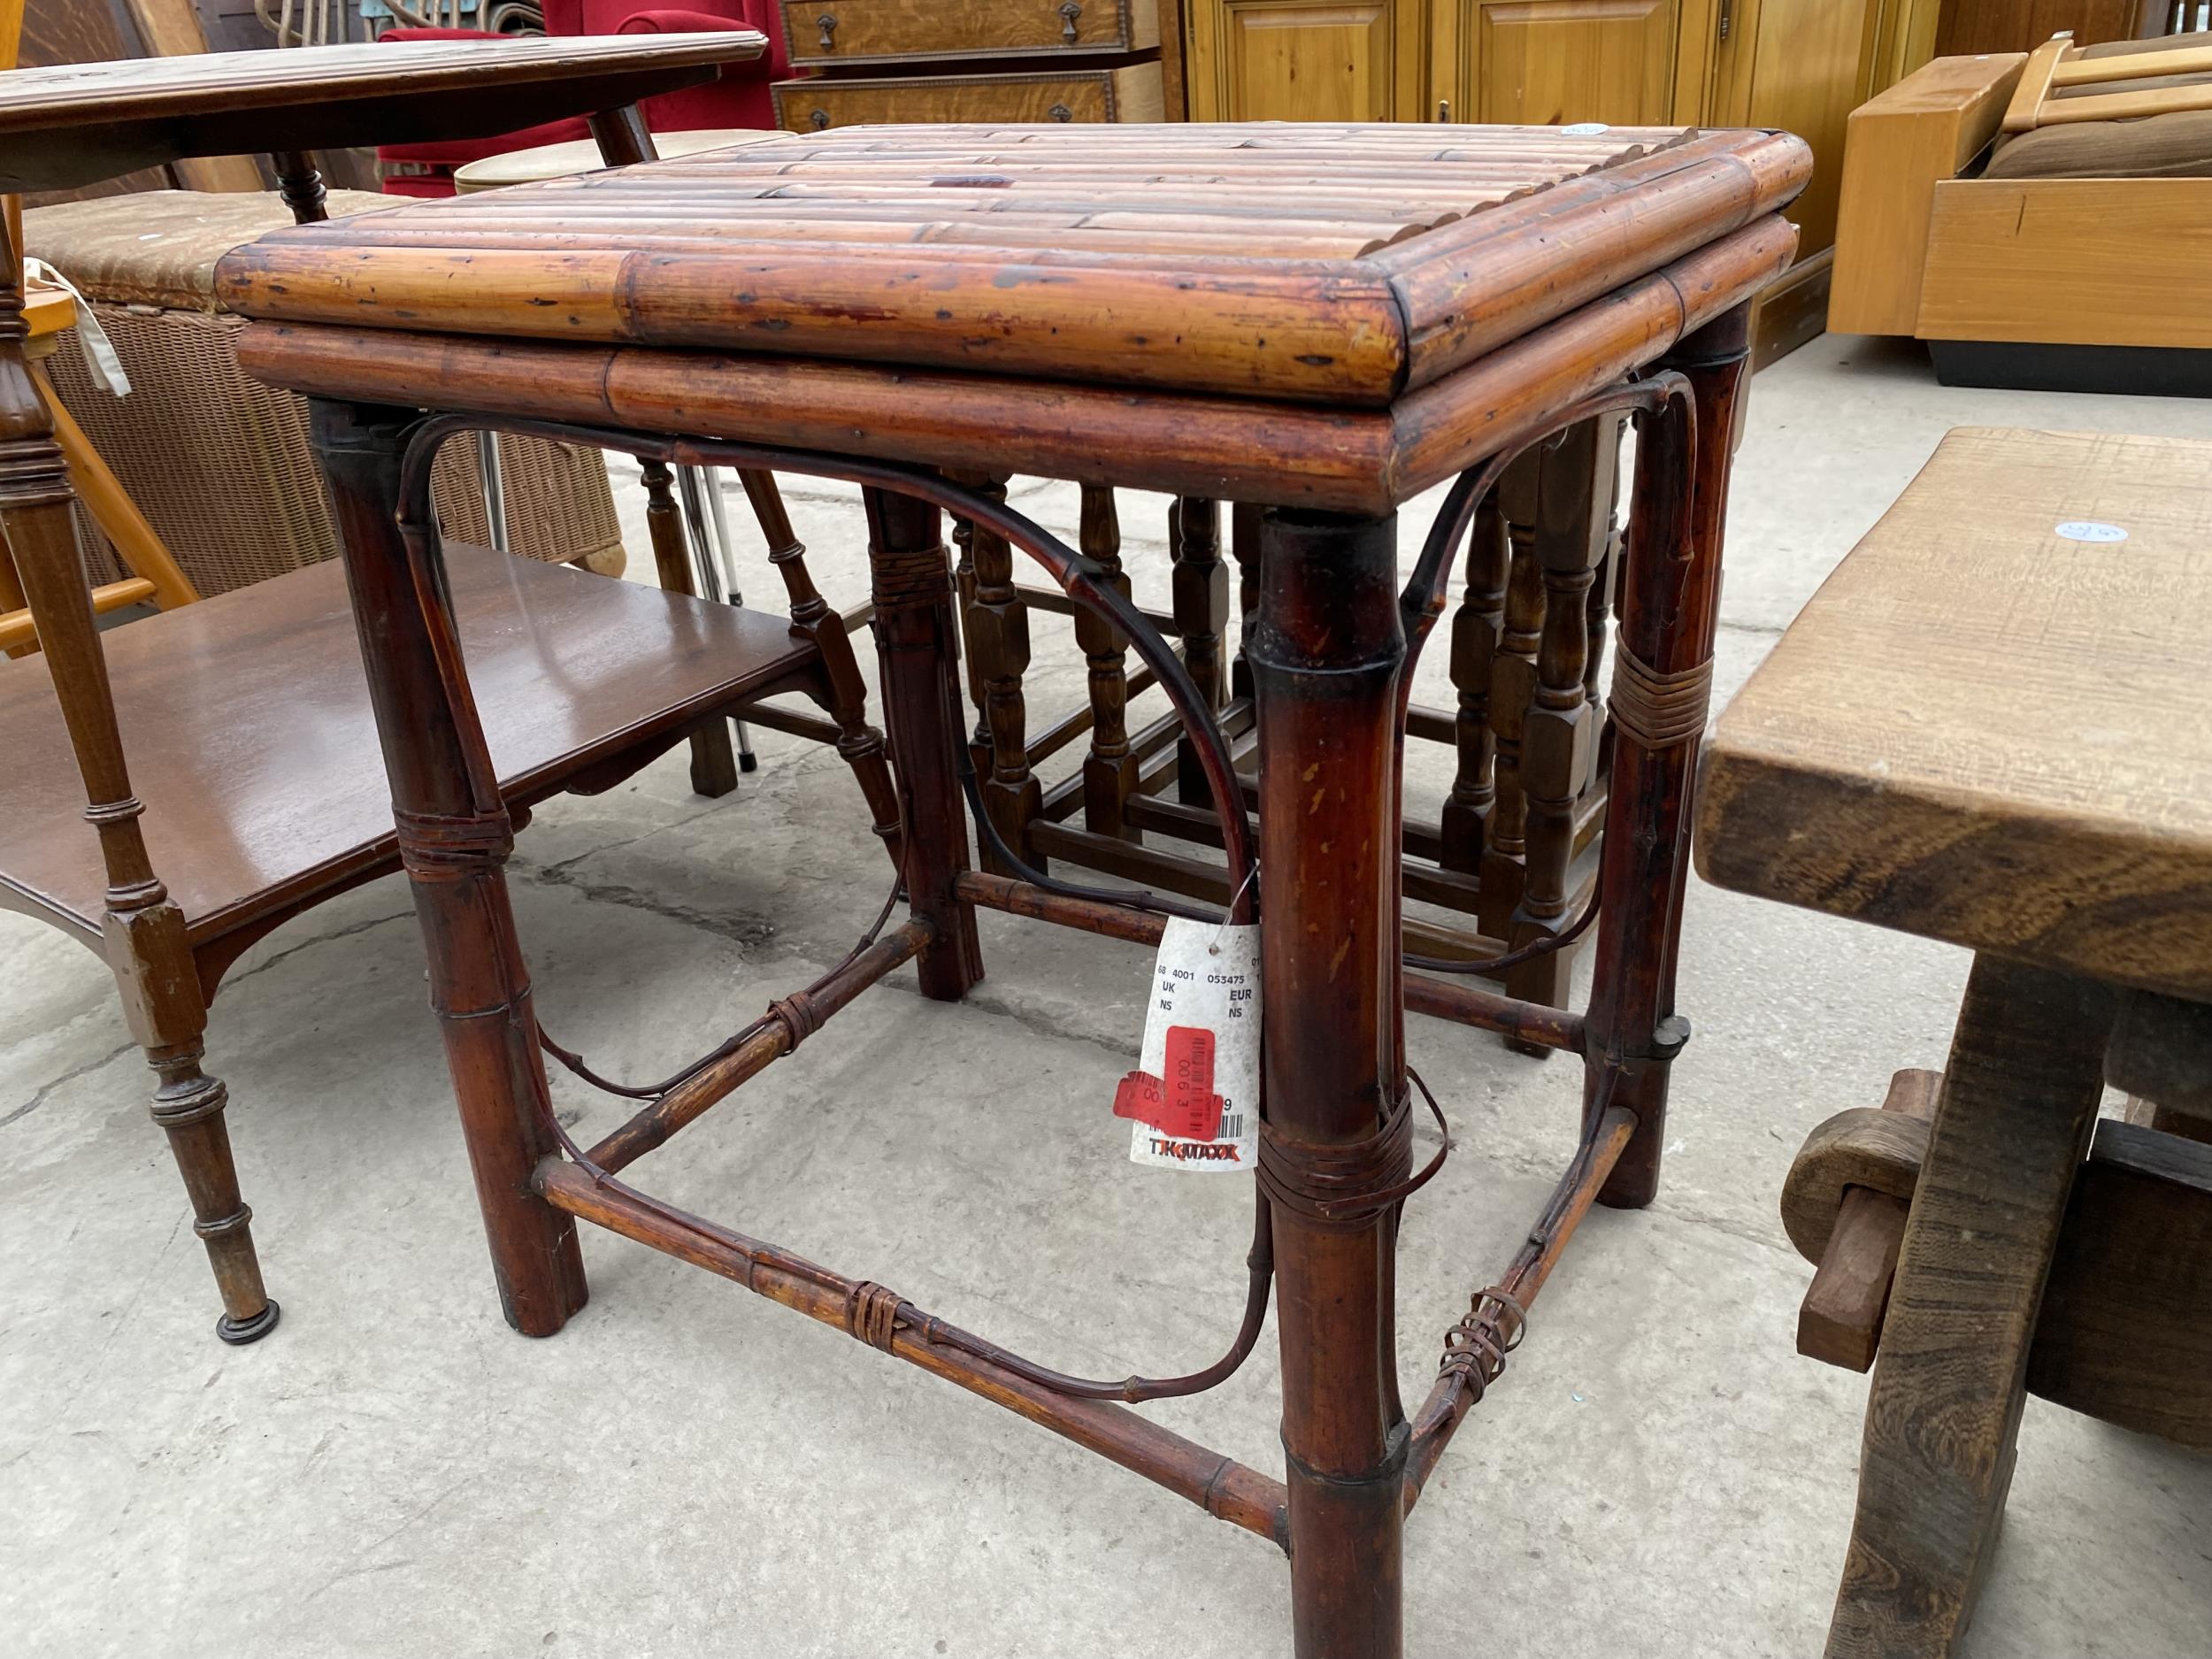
{"points": [[916, 647], [713, 762], [1662, 680], [845, 694], [1504, 870], [1476, 629], [1109, 768], [995, 626], [454, 843], [2019, 1102], [300, 182], [1201, 604], [1244, 548], [1326, 656], [142, 930], [1559, 728]]}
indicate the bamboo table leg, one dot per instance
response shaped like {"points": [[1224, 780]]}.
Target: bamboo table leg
{"points": [[454, 848], [1325, 658], [916, 645], [1662, 678], [2019, 1102], [713, 765]]}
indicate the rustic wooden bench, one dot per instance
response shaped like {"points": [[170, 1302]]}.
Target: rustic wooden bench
{"points": [[1994, 727]]}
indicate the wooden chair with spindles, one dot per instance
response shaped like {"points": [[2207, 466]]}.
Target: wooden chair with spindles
{"points": [[2031, 781]]}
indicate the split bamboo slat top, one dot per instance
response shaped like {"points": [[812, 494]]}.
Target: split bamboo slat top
{"points": [[1317, 263], [68, 125], [1993, 726]]}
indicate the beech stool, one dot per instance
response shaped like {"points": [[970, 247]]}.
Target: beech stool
{"points": [[1320, 321], [2031, 778]]}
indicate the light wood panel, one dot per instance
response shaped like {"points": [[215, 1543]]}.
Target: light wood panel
{"points": [[2104, 262], [1556, 60], [1803, 66], [1302, 60], [1899, 146]]}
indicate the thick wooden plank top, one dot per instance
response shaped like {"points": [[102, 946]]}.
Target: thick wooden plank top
{"points": [[1994, 724], [70, 124], [1339, 263]]}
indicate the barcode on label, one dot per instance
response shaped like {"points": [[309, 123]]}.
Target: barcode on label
{"points": [[1232, 1127]]}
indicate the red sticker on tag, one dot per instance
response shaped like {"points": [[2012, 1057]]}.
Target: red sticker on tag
{"points": [[1193, 1110], [1140, 1095]]}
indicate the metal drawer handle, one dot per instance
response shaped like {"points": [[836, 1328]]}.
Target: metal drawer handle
{"points": [[820, 118], [827, 24], [1061, 112], [1069, 14]]}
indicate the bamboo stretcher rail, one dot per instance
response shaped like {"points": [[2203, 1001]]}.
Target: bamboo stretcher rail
{"points": [[721, 1076], [1452, 1396], [1224, 1488]]}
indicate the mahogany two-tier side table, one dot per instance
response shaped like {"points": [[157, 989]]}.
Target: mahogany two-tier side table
{"points": [[1316, 321], [171, 903]]}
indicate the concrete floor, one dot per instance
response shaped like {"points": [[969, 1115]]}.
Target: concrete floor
{"points": [[687, 1471]]}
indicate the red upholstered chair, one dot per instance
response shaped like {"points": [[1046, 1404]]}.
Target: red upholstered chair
{"points": [[739, 98]]}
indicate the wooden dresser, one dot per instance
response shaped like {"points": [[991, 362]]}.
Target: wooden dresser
{"points": [[970, 60]]}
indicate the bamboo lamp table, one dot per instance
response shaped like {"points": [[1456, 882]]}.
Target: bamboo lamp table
{"points": [[2033, 781], [1319, 320]]}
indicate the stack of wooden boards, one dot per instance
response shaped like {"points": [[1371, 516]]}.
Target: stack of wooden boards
{"points": [[2041, 221]]}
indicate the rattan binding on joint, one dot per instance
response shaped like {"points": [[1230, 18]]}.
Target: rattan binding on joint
{"points": [[441, 848], [1475, 1348], [1659, 710], [1341, 1189], [872, 1313]]}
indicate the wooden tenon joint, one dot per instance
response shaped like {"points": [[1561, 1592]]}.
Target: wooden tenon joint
{"points": [[1840, 1321]]}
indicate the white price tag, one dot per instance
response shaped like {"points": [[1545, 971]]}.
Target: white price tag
{"points": [[2089, 530], [1195, 1096]]}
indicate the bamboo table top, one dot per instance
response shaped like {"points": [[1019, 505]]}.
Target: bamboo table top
{"points": [[1341, 265], [74, 124], [1993, 726]]}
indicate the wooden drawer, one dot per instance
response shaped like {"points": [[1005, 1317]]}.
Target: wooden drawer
{"points": [[894, 31], [1129, 93]]}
